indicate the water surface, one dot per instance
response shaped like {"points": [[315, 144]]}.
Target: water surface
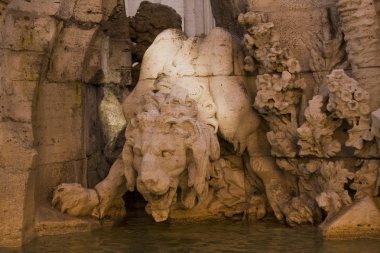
{"points": [[143, 235]]}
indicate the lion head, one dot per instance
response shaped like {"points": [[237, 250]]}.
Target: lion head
{"points": [[165, 144]]}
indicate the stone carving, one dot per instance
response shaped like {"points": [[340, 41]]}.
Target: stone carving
{"points": [[150, 20], [321, 181], [278, 94], [316, 133], [359, 23], [367, 179], [375, 129], [171, 138], [349, 101], [326, 54]]}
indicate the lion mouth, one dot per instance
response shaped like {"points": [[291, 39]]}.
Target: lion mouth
{"points": [[159, 205]]}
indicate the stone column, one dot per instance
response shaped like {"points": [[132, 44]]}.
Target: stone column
{"points": [[26, 34], [362, 33]]}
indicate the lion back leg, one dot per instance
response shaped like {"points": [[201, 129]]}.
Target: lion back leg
{"points": [[280, 187]]}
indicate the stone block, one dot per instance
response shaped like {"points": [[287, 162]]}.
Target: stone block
{"points": [[111, 116], [16, 100], [276, 5], [301, 30], [359, 220], [66, 9], [133, 102], [23, 31], [214, 55], [93, 140], [36, 7], [107, 7], [69, 54], [20, 66], [369, 79], [376, 118], [16, 145], [3, 7], [164, 48], [58, 122], [88, 11], [93, 71], [231, 108], [15, 207]]}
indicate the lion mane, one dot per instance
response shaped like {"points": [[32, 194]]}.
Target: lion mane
{"points": [[177, 117]]}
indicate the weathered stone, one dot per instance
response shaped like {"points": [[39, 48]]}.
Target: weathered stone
{"points": [[361, 219], [163, 49], [226, 14], [36, 7], [16, 140], [16, 100], [23, 31], [66, 9], [88, 11], [16, 205], [71, 48], [299, 5], [111, 115], [150, 20], [300, 30], [376, 118], [52, 174], [28, 65], [51, 222], [58, 125]]}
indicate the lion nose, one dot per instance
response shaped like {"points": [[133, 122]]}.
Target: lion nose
{"points": [[154, 181]]}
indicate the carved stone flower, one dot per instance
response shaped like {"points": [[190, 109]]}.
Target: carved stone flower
{"points": [[365, 109], [353, 105], [331, 106], [264, 82], [293, 66], [277, 83], [361, 95], [351, 85], [333, 86], [272, 58], [346, 96]]}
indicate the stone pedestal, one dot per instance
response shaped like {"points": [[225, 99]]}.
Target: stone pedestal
{"points": [[359, 220]]}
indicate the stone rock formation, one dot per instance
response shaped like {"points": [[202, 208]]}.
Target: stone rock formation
{"points": [[150, 20], [192, 90], [288, 126], [340, 100]]}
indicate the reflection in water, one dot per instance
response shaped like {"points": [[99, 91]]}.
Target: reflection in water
{"points": [[143, 235]]}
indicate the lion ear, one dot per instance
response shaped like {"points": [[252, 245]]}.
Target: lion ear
{"points": [[129, 172], [203, 143], [187, 129]]}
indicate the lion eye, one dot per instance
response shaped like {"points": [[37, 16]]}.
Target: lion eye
{"points": [[137, 152], [167, 153]]}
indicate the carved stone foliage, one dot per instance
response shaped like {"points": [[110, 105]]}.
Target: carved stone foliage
{"points": [[360, 25], [347, 100], [316, 133], [326, 54], [366, 179], [322, 181], [279, 88]]}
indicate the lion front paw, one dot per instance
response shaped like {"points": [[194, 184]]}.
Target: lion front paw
{"points": [[75, 200], [256, 208], [297, 211]]}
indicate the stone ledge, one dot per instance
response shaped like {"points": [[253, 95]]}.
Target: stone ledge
{"points": [[359, 220], [52, 222]]}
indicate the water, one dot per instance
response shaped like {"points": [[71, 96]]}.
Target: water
{"points": [[143, 235]]}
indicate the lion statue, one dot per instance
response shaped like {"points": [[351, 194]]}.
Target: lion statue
{"points": [[190, 92]]}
